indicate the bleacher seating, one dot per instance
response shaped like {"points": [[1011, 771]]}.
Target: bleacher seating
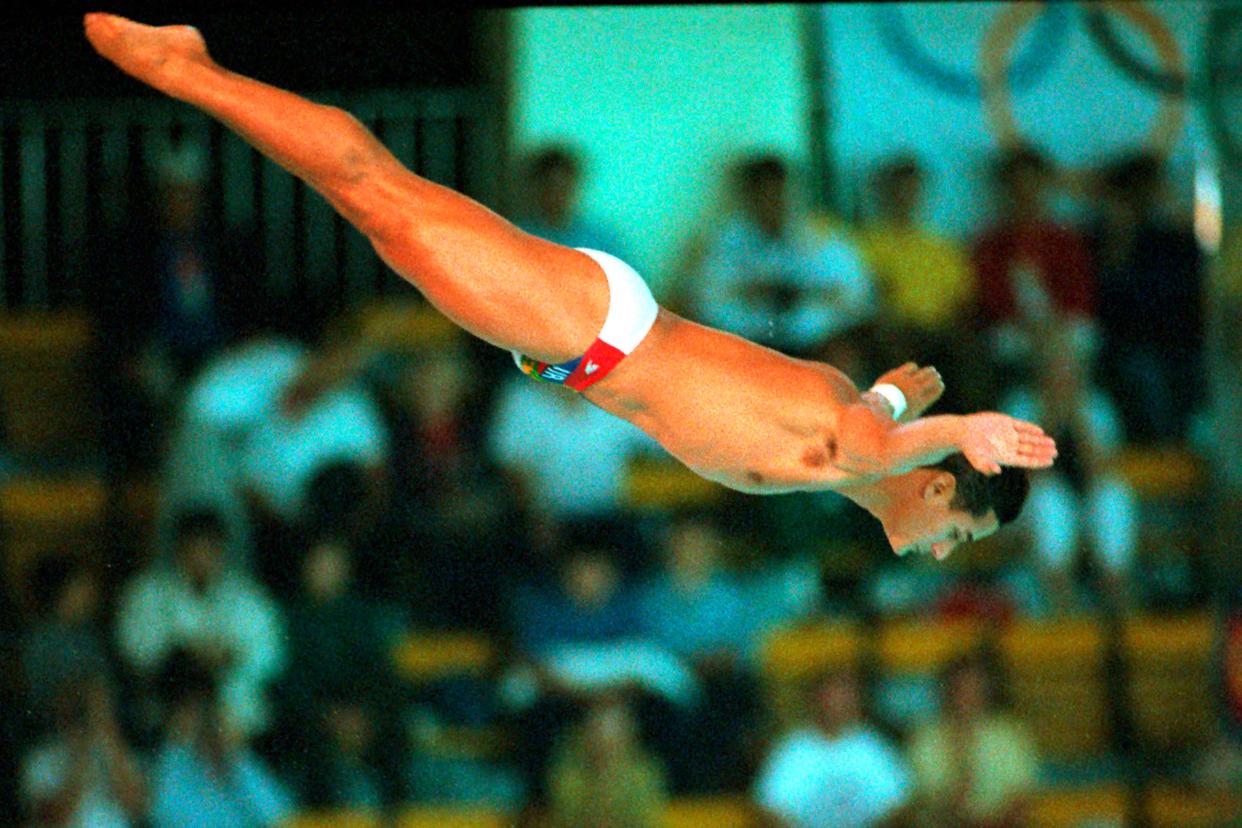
{"points": [[402, 326], [702, 812], [1169, 806], [46, 384], [1103, 806], [717, 812], [909, 655], [788, 658], [1056, 675], [664, 484], [1169, 688], [39, 516], [424, 658], [1162, 472], [334, 819], [452, 817]]}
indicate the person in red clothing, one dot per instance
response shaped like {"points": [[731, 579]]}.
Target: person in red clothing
{"points": [[1035, 275]]}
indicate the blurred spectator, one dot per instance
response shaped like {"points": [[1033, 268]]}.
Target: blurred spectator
{"points": [[204, 774], [700, 614], [84, 775], [974, 766], [837, 772], [451, 503], [171, 289], [315, 462], [1035, 275], [224, 404], [581, 637], [566, 459], [338, 695], [65, 643], [926, 284], [775, 276], [281, 441], [1151, 313], [552, 188], [1082, 491], [223, 616], [1219, 767], [602, 778]]}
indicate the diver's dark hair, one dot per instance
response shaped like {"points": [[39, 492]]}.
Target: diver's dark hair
{"points": [[978, 493]]}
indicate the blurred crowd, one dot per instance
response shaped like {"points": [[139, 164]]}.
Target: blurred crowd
{"points": [[321, 498]]}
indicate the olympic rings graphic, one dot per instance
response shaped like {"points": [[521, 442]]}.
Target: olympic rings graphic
{"points": [[1169, 83], [1009, 25], [1027, 68]]}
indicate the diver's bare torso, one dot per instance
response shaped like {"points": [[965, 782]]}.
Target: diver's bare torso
{"points": [[736, 413]]}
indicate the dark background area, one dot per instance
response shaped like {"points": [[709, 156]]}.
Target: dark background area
{"points": [[314, 47]]}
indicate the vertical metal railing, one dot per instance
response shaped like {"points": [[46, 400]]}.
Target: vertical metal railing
{"points": [[70, 173]]}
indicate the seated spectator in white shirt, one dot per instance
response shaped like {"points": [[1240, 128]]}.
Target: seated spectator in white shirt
{"points": [[775, 276], [287, 448], [836, 772], [228, 399], [83, 775], [567, 459], [260, 423], [699, 612], [221, 614], [204, 775]]}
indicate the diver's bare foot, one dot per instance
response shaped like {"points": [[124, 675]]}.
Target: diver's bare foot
{"points": [[152, 54], [921, 386]]}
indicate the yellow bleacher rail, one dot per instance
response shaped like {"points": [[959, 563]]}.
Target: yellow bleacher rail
{"points": [[39, 516], [1173, 807], [800, 652], [334, 819], [453, 817], [664, 484], [1169, 662], [1102, 805], [917, 646], [45, 380], [403, 326], [717, 812], [1057, 685], [1162, 471], [429, 657], [692, 812]]}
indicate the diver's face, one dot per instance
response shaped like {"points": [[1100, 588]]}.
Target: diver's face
{"points": [[926, 522]]}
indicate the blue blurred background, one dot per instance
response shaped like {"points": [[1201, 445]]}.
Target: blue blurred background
{"points": [[283, 547]]}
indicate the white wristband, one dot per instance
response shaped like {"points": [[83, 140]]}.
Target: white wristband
{"points": [[893, 395]]}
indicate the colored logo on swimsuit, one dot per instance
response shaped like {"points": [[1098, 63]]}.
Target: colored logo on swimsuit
{"points": [[578, 373], [597, 362], [546, 371]]}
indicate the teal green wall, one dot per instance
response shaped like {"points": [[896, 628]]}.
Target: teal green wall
{"points": [[658, 99]]}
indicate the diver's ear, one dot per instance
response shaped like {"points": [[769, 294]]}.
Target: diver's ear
{"points": [[940, 488]]}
